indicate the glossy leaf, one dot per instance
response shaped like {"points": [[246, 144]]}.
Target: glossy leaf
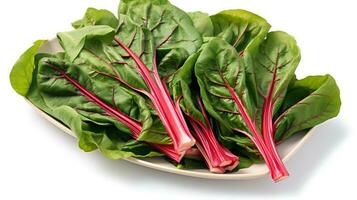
{"points": [[174, 36], [21, 73], [95, 16], [219, 62], [57, 91], [272, 65], [218, 158], [222, 79], [171, 27], [202, 23], [94, 129], [110, 86], [182, 85], [72, 42], [135, 52], [239, 27], [309, 101]]}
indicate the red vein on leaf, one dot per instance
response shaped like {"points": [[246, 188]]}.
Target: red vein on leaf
{"points": [[175, 126], [132, 124]]}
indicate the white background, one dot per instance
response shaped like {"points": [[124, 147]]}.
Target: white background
{"points": [[37, 161]]}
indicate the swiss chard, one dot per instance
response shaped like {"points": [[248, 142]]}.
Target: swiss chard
{"points": [[22, 72], [141, 37], [96, 17], [222, 75], [218, 158], [239, 27], [95, 131], [203, 23], [76, 87], [147, 75], [308, 102], [225, 88]]}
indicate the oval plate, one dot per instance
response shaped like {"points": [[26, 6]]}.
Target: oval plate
{"points": [[286, 149]]}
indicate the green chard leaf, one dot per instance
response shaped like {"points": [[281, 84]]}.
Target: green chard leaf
{"points": [[57, 91], [202, 23], [94, 16], [308, 102], [183, 87], [21, 73], [216, 61], [243, 163], [119, 80], [219, 59], [228, 94], [174, 36], [190, 163], [169, 46], [272, 65], [239, 27], [171, 27], [73, 42], [135, 51], [93, 129]]}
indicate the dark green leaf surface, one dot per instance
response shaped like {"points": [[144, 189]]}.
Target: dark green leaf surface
{"points": [[139, 40], [171, 27], [271, 65], [309, 101], [57, 91], [237, 55], [183, 86], [239, 27], [217, 64], [93, 127], [277, 54], [73, 42]]}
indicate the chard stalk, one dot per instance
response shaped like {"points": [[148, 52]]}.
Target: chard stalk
{"points": [[174, 124], [134, 126], [217, 158], [266, 148]]}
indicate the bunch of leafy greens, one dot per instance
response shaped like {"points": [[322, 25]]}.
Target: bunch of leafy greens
{"points": [[217, 91]]}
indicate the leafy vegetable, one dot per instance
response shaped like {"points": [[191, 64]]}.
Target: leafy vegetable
{"points": [[73, 42], [239, 27], [250, 110], [133, 52], [92, 134], [62, 86], [218, 158], [225, 88], [308, 102], [203, 23], [155, 81], [96, 17], [21, 73]]}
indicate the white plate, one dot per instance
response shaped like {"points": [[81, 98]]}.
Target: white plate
{"points": [[286, 149]]}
